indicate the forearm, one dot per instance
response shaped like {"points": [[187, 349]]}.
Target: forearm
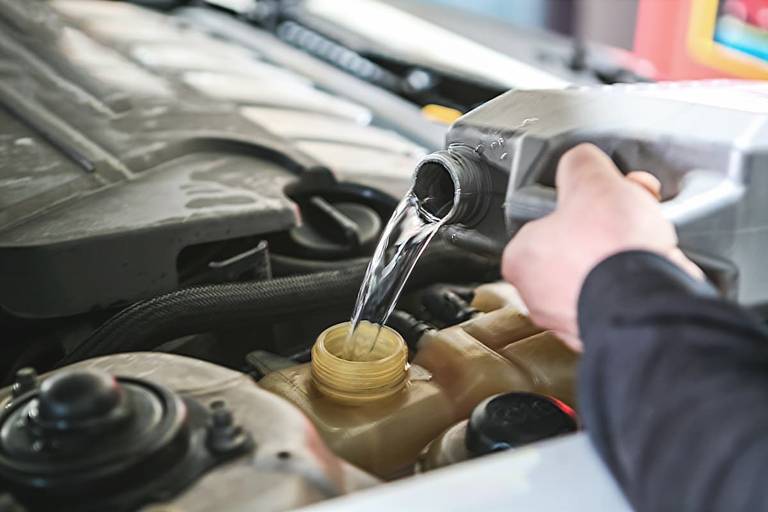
{"points": [[674, 387]]}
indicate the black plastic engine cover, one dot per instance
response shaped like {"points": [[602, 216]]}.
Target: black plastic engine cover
{"points": [[108, 170]]}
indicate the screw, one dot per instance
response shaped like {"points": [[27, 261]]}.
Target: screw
{"points": [[26, 381], [221, 417], [224, 437]]}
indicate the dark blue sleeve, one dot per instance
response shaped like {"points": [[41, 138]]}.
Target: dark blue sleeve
{"points": [[674, 387]]}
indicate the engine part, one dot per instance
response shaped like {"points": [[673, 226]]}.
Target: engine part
{"points": [[167, 430], [89, 441], [408, 326], [129, 194], [147, 324], [514, 419], [500, 294], [447, 305], [117, 163], [379, 375], [380, 430], [484, 356], [338, 222], [451, 373], [499, 423]]}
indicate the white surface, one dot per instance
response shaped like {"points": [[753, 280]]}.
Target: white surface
{"points": [[744, 95], [556, 476], [421, 40]]}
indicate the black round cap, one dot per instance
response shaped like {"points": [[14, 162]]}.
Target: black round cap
{"points": [[338, 230], [515, 419], [80, 399], [83, 428]]}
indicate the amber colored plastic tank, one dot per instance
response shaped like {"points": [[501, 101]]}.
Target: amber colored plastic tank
{"points": [[449, 448], [382, 426], [492, 296], [481, 357], [377, 414], [550, 364], [378, 374]]}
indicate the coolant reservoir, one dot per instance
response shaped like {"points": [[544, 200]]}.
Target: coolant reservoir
{"points": [[497, 352], [379, 415]]}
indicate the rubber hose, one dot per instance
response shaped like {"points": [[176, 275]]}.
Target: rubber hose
{"points": [[289, 265], [147, 324]]}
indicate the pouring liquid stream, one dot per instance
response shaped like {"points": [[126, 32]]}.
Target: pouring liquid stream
{"points": [[407, 234], [429, 204]]}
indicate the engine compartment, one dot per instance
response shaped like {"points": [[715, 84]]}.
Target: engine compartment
{"points": [[84, 437], [182, 213]]}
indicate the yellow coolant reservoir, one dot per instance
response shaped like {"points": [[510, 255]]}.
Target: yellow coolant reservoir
{"points": [[497, 352], [379, 413]]}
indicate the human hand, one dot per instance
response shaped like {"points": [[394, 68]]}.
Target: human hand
{"points": [[599, 213]]}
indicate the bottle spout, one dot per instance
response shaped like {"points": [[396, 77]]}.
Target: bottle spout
{"points": [[453, 184]]}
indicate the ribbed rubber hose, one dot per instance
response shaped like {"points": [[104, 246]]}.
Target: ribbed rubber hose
{"points": [[147, 324]]}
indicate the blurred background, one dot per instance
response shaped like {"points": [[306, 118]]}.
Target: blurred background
{"points": [[610, 22]]}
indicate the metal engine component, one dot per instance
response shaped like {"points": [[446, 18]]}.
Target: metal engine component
{"points": [[85, 440], [500, 423]]}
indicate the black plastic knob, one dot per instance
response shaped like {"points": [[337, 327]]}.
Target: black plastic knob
{"points": [[85, 440], [333, 229], [80, 399], [515, 419]]}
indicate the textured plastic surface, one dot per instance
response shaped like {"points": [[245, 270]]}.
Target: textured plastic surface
{"points": [[452, 372], [383, 437], [525, 419], [380, 373], [482, 357], [290, 467], [126, 138], [705, 143]]}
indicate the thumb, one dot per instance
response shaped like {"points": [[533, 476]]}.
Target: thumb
{"points": [[585, 167]]}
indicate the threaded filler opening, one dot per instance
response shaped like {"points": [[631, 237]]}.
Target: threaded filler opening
{"points": [[381, 374], [435, 187]]}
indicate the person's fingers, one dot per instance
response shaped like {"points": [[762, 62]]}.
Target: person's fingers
{"points": [[583, 167], [512, 256], [517, 252], [508, 262], [570, 340], [646, 180], [681, 260]]}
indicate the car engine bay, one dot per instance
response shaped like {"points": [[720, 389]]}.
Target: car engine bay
{"points": [[188, 204], [182, 216]]}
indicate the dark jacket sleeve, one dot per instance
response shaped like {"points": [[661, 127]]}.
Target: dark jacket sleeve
{"points": [[674, 387]]}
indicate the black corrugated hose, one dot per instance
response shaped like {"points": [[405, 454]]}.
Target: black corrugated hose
{"points": [[147, 324]]}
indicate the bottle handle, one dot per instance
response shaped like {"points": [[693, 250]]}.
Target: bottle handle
{"points": [[701, 193]]}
